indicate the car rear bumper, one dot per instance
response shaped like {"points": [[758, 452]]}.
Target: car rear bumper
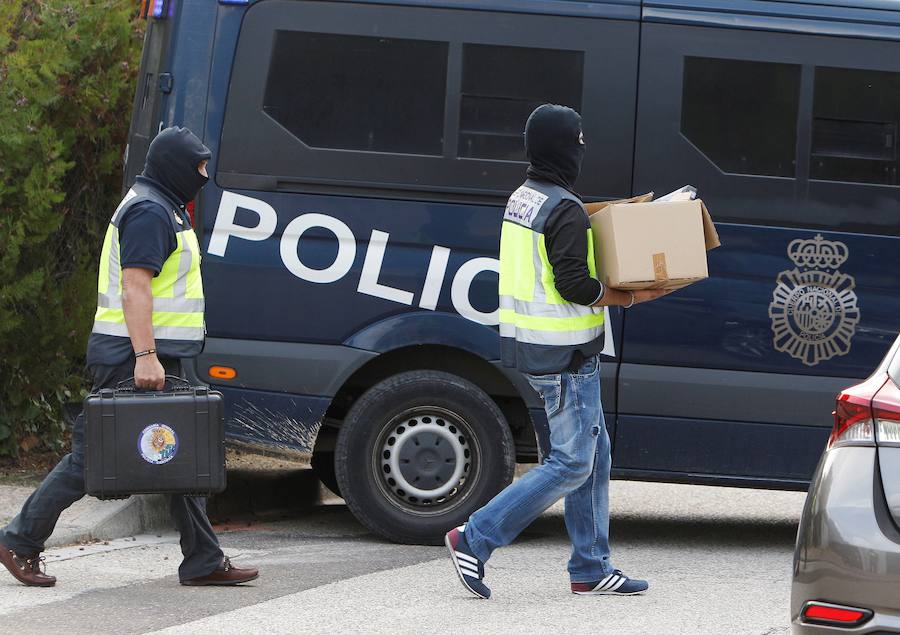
{"points": [[848, 547]]}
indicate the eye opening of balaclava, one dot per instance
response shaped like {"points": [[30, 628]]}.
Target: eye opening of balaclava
{"points": [[172, 161], [554, 145]]}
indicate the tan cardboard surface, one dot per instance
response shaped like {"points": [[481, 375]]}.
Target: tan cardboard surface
{"points": [[644, 245], [710, 235]]}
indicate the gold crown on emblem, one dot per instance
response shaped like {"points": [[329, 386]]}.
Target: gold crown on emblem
{"points": [[817, 252]]}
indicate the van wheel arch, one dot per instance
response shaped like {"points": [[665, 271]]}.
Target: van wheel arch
{"points": [[446, 359]]}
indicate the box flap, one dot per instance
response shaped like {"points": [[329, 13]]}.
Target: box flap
{"points": [[710, 235], [593, 208]]}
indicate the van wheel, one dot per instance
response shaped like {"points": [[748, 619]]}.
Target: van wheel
{"points": [[322, 464], [419, 452]]}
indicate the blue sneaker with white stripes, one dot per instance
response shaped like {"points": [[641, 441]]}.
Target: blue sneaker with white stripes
{"points": [[616, 583], [468, 567]]}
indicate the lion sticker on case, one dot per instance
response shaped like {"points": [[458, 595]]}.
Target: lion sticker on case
{"points": [[158, 444], [814, 307]]}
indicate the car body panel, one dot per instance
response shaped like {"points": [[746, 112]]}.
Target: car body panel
{"points": [[848, 543], [889, 465], [848, 549]]}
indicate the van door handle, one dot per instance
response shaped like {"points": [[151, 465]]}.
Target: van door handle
{"points": [[165, 82]]}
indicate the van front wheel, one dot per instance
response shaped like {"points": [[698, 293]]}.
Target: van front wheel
{"points": [[419, 452]]}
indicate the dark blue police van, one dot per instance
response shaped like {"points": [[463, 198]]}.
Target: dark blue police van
{"points": [[362, 154]]}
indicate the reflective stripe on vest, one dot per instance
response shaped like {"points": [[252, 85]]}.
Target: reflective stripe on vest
{"points": [[531, 309], [178, 302]]}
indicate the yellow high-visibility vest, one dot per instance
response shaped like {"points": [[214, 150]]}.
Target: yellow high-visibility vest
{"points": [[534, 318], [178, 303]]}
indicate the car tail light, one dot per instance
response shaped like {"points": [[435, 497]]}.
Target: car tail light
{"points": [[834, 614], [886, 412], [853, 422]]}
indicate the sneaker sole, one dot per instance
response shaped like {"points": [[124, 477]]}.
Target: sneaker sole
{"points": [[608, 592], [458, 571]]}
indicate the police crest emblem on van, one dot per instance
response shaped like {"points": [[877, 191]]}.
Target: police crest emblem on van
{"points": [[814, 309]]}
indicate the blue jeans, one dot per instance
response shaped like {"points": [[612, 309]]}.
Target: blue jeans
{"points": [[577, 467]]}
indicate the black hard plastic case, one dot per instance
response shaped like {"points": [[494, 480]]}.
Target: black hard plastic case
{"points": [[167, 442]]}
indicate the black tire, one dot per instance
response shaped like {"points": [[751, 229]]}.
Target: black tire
{"points": [[438, 431], [322, 464]]}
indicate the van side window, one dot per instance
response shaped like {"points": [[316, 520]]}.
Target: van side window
{"points": [[742, 115], [354, 92], [501, 85], [393, 100], [854, 132]]}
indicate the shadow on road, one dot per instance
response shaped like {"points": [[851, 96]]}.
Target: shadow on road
{"points": [[680, 532], [257, 499]]}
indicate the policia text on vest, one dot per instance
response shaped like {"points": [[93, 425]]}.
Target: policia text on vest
{"points": [[539, 329]]}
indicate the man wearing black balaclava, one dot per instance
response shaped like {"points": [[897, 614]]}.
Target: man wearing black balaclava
{"points": [[149, 317], [552, 329]]}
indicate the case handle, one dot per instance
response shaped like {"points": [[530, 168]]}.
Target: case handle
{"points": [[173, 381]]}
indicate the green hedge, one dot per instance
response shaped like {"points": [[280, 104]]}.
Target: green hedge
{"points": [[67, 72]]}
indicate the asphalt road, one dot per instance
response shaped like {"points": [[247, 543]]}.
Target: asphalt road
{"points": [[718, 561]]}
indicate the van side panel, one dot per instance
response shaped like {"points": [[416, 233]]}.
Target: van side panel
{"points": [[318, 260], [737, 375], [324, 275]]}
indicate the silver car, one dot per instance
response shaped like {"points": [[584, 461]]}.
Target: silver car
{"points": [[847, 559]]}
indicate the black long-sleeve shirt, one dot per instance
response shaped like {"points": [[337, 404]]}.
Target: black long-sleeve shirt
{"points": [[565, 234]]}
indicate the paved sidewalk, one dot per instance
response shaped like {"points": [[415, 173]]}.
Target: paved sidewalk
{"points": [[718, 559], [719, 562]]}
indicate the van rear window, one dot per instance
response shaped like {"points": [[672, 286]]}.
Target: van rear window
{"points": [[354, 92], [742, 115], [855, 120]]}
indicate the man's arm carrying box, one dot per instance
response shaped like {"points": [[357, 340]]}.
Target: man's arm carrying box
{"points": [[641, 244]]}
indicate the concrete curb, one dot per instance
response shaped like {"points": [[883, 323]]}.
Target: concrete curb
{"points": [[108, 520], [249, 493], [91, 519]]}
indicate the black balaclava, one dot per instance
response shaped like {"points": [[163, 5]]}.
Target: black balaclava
{"points": [[554, 145], [172, 162]]}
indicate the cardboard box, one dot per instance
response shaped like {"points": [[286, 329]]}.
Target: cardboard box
{"points": [[640, 244]]}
